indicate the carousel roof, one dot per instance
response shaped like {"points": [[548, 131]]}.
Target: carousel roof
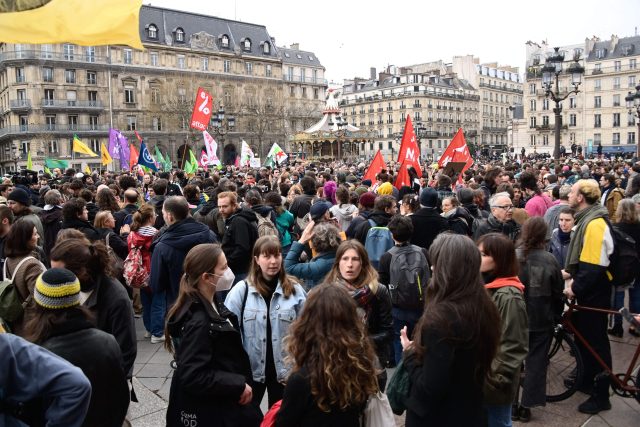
{"points": [[331, 116]]}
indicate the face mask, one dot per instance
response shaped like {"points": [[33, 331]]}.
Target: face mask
{"points": [[225, 281]]}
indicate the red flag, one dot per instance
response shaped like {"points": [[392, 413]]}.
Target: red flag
{"points": [[133, 155], [377, 164], [201, 110], [457, 151], [403, 177], [138, 136], [409, 152]]}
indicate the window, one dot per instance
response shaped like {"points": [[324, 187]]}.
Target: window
{"points": [[127, 56], [155, 95], [50, 122], [632, 81], [72, 122], [68, 51], [631, 119], [616, 82], [179, 34], [246, 45], [180, 61], [303, 74], [249, 68], [153, 58], [617, 66], [25, 147], [532, 105], [182, 94], [597, 120], [156, 124], [532, 140], [316, 93], [616, 100], [92, 97], [616, 138], [597, 84], [72, 97], [131, 122], [290, 74], [545, 121], [20, 75], [632, 66], [532, 122], [292, 91], [597, 67], [24, 123], [48, 97], [267, 70], [90, 54], [572, 119], [224, 40], [46, 51], [545, 104], [616, 120], [304, 92], [227, 98], [152, 31], [226, 66], [53, 146], [631, 138], [70, 76], [597, 102], [315, 76], [129, 94], [204, 63], [597, 138], [266, 48], [600, 53], [93, 125], [532, 89], [572, 102]]}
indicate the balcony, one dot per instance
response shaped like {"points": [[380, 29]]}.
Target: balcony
{"points": [[40, 56], [304, 79], [20, 104], [70, 105], [63, 129], [495, 129]]}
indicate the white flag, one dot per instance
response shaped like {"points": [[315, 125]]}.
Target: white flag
{"points": [[212, 148]]}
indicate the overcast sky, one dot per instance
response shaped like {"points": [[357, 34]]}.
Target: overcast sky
{"points": [[351, 36]]}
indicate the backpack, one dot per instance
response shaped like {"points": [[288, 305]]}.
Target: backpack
{"points": [[378, 241], [134, 272], [408, 277], [11, 304], [266, 227], [624, 265]]}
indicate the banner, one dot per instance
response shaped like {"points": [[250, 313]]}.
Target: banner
{"points": [[29, 161], [403, 179], [409, 152], [54, 163], [125, 155], [457, 151], [133, 156], [201, 110], [114, 144], [254, 162], [191, 165]]}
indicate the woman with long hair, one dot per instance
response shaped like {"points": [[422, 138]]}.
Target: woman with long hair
{"points": [[106, 201], [140, 238], [333, 371], [454, 342], [104, 224], [541, 276], [499, 268], [343, 211], [211, 384], [266, 303], [353, 271], [61, 325]]}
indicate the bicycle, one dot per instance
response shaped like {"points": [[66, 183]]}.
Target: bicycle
{"points": [[565, 368]]}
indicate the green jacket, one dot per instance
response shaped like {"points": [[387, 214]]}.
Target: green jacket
{"points": [[514, 344]]}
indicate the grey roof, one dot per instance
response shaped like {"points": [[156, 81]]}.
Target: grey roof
{"points": [[627, 46], [298, 57], [204, 32]]}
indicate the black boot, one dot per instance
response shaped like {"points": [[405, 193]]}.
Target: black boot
{"points": [[616, 331]]}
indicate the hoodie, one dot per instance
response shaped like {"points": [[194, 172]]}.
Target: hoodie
{"points": [[380, 218], [51, 218], [344, 214], [241, 232]]}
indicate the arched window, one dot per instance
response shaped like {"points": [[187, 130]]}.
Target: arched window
{"points": [[246, 45], [266, 48], [179, 34], [152, 31], [224, 40]]}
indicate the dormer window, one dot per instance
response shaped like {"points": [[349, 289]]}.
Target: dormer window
{"points": [[246, 45], [152, 31], [224, 40], [600, 53], [179, 34], [266, 48], [310, 58], [627, 49], [286, 54], [299, 56]]}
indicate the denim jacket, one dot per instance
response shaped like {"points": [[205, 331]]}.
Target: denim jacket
{"points": [[282, 312]]}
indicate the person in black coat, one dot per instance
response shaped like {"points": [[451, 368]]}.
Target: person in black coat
{"points": [[384, 208], [427, 222], [62, 326], [124, 216], [51, 218], [241, 232], [210, 386], [104, 224], [75, 215]]}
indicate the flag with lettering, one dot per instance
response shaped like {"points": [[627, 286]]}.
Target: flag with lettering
{"points": [[377, 165], [114, 144], [201, 110], [457, 151], [409, 152]]}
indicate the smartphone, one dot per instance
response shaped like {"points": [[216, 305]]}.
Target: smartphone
{"points": [[630, 317]]}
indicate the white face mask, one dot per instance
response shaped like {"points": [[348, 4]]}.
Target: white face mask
{"points": [[225, 281]]}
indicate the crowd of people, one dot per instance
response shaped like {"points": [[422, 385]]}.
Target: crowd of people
{"points": [[305, 282]]}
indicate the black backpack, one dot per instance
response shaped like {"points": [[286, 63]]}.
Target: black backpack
{"points": [[624, 265], [408, 277]]}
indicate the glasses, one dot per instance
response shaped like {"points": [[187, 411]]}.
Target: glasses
{"points": [[505, 207]]}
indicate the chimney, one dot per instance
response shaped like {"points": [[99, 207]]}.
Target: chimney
{"points": [[614, 42], [295, 46], [372, 73]]}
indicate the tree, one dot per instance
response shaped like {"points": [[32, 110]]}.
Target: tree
{"points": [[263, 116]]}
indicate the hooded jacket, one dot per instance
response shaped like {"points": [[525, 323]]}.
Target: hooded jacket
{"points": [[142, 238], [51, 223], [344, 214], [427, 224], [381, 219], [241, 232], [169, 251], [363, 216]]}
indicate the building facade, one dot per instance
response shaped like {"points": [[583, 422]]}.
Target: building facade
{"points": [[48, 93], [597, 114]]}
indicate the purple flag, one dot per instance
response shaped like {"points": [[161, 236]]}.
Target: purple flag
{"points": [[114, 145], [124, 151]]}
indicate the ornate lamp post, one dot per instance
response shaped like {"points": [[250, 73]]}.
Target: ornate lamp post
{"points": [[633, 104], [421, 132], [222, 125], [553, 68]]}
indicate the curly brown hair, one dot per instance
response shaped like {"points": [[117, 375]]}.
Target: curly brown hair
{"points": [[329, 330]]}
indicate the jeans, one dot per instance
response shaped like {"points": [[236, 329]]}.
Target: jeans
{"points": [[145, 298], [402, 318], [157, 313], [498, 415], [634, 302]]}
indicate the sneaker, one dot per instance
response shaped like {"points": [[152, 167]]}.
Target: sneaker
{"points": [[147, 334], [137, 315], [524, 414], [515, 413], [593, 406], [157, 340]]}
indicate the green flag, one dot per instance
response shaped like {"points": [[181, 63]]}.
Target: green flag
{"points": [[47, 170], [191, 165], [168, 166], [159, 158], [29, 161], [53, 163]]}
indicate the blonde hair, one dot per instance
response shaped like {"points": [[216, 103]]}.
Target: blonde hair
{"points": [[589, 189], [101, 219]]}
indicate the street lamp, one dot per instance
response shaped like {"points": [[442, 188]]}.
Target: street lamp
{"points": [[551, 69], [421, 132], [221, 125], [633, 104]]}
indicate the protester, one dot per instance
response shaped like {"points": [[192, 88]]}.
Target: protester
{"points": [[51, 218], [561, 236], [19, 202], [211, 384], [6, 219], [427, 222], [500, 219], [284, 220], [104, 224], [343, 211], [365, 208], [75, 215], [319, 391], [611, 194], [409, 204]]}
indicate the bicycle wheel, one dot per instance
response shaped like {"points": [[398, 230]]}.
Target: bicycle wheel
{"points": [[564, 372]]}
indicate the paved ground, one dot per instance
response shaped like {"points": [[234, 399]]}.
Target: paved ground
{"points": [[152, 378]]}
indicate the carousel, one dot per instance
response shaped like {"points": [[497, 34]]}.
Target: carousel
{"points": [[332, 137]]}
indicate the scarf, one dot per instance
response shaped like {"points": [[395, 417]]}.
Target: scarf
{"points": [[564, 237], [583, 218], [363, 297], [501, 282]]}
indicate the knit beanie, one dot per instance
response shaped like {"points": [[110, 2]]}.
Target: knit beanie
{"points": [[19, 195], [367, 200], [57, 288]]}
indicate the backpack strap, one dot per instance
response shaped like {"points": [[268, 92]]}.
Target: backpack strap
{"points": [[22, 261], [372, 223], [242, 306]]}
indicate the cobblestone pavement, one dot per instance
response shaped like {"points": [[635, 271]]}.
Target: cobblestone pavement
{"points": [[152, 379]]}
